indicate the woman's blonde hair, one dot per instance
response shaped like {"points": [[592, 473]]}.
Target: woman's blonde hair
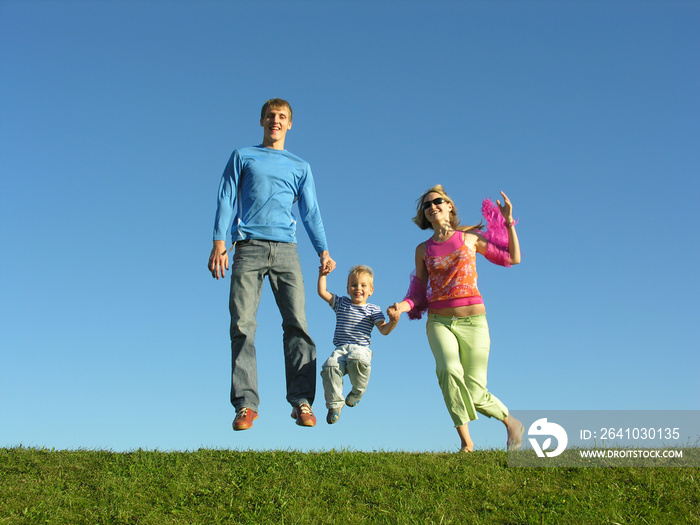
{"points": [[424, 224]]}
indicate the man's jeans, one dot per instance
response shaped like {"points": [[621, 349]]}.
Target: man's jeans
{"points": [[252, 261]]}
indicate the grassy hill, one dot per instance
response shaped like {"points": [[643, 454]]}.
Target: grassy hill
{"points": [[285, 487]]}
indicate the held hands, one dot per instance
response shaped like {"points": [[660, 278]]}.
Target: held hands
{"points": [[506, 208], [327, 264], [395, 310], [393, 314]]}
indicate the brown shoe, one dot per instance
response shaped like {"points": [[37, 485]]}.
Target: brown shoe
{"points": [[304, 416], [244, 419]]}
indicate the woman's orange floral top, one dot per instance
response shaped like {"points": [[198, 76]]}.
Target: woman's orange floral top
{"points": [[452, 273]]}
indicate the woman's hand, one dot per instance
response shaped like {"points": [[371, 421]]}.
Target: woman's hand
{"points": [[506, 208]]}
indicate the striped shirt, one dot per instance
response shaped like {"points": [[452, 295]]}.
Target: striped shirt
{"points": [[354, 322]]}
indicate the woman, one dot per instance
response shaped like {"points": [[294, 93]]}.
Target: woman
{"points": [[445, 284]]}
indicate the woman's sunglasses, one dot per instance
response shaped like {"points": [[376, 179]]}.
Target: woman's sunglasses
{"points": [[428, 204]]}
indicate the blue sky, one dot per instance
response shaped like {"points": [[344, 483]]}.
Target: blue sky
{"points": [[118, 119]]}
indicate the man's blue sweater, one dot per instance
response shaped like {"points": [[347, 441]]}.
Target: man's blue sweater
{"points": [[262, 184]]}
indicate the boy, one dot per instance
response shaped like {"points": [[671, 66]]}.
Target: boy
{"points": [[261, 183], [355, 318]]}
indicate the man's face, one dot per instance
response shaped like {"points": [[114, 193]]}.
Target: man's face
{"points": [[275, 123]]}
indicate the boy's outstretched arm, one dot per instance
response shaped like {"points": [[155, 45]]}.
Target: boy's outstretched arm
{"points": [[386, 328], [323, 292]]}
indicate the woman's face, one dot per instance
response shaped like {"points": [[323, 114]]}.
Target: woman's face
{"points": [[436, 208]]}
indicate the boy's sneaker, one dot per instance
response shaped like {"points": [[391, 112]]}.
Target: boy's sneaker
{"points": [[304, 416], [333, 415], [352, 399], [244, 419]]}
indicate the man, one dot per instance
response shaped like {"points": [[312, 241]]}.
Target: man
{"points": [[262, 183]]}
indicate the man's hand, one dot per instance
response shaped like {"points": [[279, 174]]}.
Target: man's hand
{"points": [[327, 264], [218, 260]]}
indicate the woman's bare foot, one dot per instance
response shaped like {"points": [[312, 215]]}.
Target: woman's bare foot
{"points": [[466, 443], [515, 432]]}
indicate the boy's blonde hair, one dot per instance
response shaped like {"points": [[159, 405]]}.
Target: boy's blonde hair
{"points": [[361, 269], [424, 224], [276, 103]]}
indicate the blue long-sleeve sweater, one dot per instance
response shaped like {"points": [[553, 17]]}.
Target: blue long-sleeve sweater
{"points": [[262, 184]]}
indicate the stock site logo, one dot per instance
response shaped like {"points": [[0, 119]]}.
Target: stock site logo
{"points": [[543, 428]]}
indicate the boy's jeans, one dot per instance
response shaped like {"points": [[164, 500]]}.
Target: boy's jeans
{"points": [[279, 261], [353, 360]]}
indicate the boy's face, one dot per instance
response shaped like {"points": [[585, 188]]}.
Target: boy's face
{"points": [[275, 123], [360, 288]]}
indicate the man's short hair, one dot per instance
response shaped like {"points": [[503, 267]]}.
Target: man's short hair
{"points": [[276, 103]]}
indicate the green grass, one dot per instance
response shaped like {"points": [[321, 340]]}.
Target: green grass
{"points": [[220, 486]]}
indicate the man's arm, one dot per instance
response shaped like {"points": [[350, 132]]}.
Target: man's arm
{"points": [[310, 213], [218, 258]]}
